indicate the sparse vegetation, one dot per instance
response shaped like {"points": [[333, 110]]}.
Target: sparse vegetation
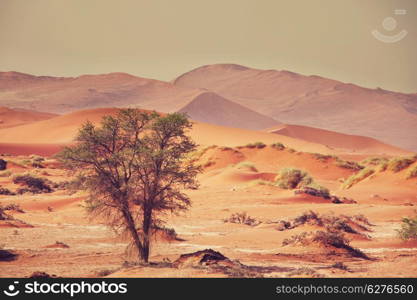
{"points": [[358, 177], [326, 239], [347, 164], [315, 189], [289, 178], [257, 145], [321, 157], [399, 163], [412, 172], [7, 192], [374, 161], [242, 218], [246, 165], [278, 146], [260, 182], [35, 184], [408, 230]]}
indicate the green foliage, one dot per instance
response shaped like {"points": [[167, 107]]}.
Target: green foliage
{"points": [[289, 178], [135, 167], [358, 177], [408, 229]]}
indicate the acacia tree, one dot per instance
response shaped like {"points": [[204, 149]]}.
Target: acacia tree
{"points": [[134, 166]]}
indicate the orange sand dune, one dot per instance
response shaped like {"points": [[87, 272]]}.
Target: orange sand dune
{"points": [[313, 101], [63, 129], [385, 187], [344, 142], [15, 117]]}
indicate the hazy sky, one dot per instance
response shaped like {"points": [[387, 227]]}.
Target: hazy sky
{"points": [[163, 38]]}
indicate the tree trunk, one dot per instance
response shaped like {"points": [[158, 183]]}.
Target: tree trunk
{"points": [[147, 222], [135, 236]]}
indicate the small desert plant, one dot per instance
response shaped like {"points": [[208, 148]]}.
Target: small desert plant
{"points": [[35, 184], [355, 178], [316, 189], [278, 146], [374, 161], [361, 218], [310, 217], [5, 191], [246, 165], [259, 182], [408, 229], [412, 172], [321, 157], [258, 145], [289, 178], [14, 207], [340, 265], [399, 163], [242, 218], [291, 150], [346, 164]]}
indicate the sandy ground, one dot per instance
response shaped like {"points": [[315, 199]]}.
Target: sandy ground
{"points": [[93, 249]]}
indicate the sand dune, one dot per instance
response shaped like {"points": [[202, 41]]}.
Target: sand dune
{"points": [[14, 117], [63, 129], [313, 101], [346, 142], [63, 95]]}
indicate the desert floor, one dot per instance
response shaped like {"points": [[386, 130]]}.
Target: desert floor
{"points": [[227, 187]]}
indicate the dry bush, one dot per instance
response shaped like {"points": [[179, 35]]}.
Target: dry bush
{"points": [[242, 218], [289, 178], [358, 177]]}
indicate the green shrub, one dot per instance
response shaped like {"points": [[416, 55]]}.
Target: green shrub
{"points": [[412, 172], [399, 163], [278, 146], [258, 145], [408, 229], [355, 178], [289, 178]]}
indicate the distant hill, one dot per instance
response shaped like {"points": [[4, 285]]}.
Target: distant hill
{"points": [[313, 101]]}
